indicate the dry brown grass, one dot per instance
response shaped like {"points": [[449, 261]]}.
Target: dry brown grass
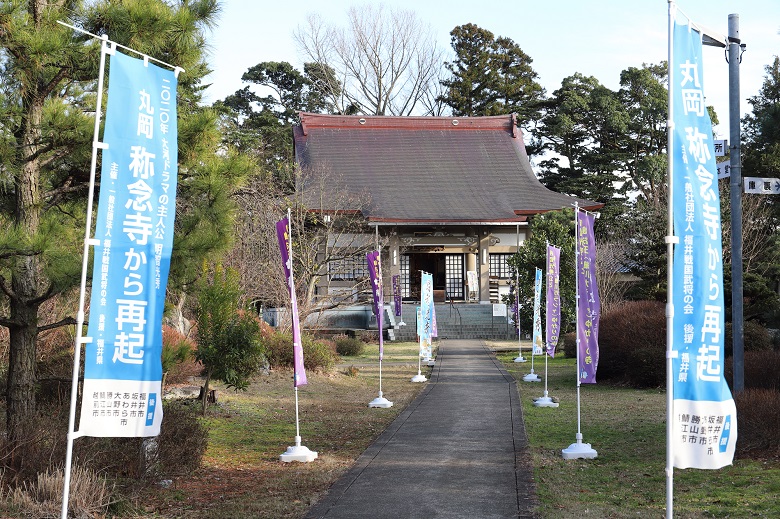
{"points": [[90, 495], [242, 476]]}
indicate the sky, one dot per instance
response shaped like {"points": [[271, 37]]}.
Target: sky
{"points": [[593, 37]]}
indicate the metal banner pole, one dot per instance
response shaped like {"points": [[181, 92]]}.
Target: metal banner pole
{"points": [[670, 241], [519, 357], [80, 339]]}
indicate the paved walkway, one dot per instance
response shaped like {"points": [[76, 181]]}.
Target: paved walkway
{"points": [[458, 451]]}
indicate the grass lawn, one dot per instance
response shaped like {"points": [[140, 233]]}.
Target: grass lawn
{"points": [[242, 476], [627, 427]]}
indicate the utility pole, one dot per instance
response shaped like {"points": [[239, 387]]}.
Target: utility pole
{"points": [[734, 57]]}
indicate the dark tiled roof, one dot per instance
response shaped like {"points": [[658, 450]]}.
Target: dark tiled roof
{"points": [[429, 169]]}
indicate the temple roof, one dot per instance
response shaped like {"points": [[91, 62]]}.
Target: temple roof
{"points": [[426, 170]]}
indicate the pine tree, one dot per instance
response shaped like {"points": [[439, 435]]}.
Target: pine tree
{"points": [[490, 76], [47, 101]]}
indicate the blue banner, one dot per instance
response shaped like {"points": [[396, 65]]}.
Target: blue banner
{"points": [[134, 238], [538, 341], [704, 423], [425, 326]]}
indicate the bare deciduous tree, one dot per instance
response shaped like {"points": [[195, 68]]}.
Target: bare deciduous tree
{"points": [[386, 61], [612, 274], [328, 232]]}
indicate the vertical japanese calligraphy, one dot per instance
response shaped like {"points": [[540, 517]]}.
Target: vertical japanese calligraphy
{"points": [[704, 416], [283, 235], [553, 300], [397, 294], [588, 302], [375, 278], [134, 238], [425, 326], [538, 341]]}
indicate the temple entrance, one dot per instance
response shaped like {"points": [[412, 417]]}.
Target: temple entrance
{"points": [[447, 271]]}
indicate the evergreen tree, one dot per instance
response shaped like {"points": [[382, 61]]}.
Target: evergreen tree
{"points": [[48, 86], [557, 228], [761, 158], [491, 76], [229, 345], [583, 124], [261, 125]]}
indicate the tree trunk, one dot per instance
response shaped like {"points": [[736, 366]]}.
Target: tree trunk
{"points": [[25, 280], [205, 394], [20, 389]]}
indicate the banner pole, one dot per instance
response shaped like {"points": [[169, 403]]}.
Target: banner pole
{"points": [[545, 400], [532, 376], [670, 240], [578, 449], [520, 357], [374, 264], [577, 311], [292, 291], [80, 339], [298, 452]]}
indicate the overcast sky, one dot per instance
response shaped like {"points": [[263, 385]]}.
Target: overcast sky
{"points": [[596, 38]]}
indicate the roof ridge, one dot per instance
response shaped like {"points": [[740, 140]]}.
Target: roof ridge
{"points": [[492, 122]]}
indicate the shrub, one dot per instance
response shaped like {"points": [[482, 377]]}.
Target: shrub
{"points": [[317, 354], [369, 336], [632, 344], [762, 370], [179, 450], [570, 345], [229, 339], [176, 351], [759, 422], [349, 346], [756, 338]]}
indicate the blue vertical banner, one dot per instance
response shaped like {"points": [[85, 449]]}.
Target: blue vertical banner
{"points": [[704, 420], [425, 327], [538, 341], [134, 239]]}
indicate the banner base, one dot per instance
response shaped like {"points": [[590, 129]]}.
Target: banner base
{"points": [[532, 377], [380, 401], [545, 401], [419, 377], [520, 359], [579, 450], [298, 452]]}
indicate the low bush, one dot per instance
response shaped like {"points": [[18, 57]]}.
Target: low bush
{"points": [[177, 356], [759, 423], [570, 345], [369, 336], [762, 370], [632, 344], [349, 346], [756, 338], [318, 354]]}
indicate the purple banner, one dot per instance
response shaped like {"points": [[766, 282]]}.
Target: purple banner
{"points": [[375, 276], [588, 303], [553, 303], [283, 233], [397, 294]]}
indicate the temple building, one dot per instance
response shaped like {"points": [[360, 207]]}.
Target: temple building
{"points": [[449, 195]]}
